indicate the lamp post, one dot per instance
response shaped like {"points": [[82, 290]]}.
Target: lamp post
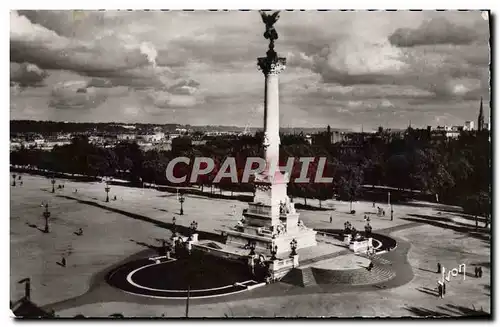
{"points": [[293, 246], [27, 287], [53, 181], [107, 192], [188, 277], [46, 215], [181, 201]]}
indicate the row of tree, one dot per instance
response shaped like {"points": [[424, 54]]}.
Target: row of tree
{"points": [[457, 170]]}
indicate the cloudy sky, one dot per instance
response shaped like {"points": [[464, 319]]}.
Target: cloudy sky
{"points": [[344, 68]]}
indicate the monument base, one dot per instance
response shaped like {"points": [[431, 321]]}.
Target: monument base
{"points": [[265, 240], [364, 245]]}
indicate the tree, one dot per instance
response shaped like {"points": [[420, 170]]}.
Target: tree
{"points": [[349, 185]]}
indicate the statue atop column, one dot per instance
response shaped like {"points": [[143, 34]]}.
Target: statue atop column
{"points": [[270, 33], [271, 63]]}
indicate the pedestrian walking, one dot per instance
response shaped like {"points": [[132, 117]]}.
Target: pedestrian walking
{"points": [[444, 288], [331, 219], [63, 261], [440, 290], [370, 266], [439, 268], [476, 271], [480, 272]]}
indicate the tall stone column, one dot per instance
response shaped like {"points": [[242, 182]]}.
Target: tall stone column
{"points": [[271, 66]]}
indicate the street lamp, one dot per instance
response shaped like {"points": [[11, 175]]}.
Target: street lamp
{"points": [[181, 201], [27, 287], [188, 266], [46, 215], [53, 181], [107, 192], [293, 246]]}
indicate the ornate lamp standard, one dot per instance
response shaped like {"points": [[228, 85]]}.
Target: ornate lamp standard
{"points": [[293, 246], [46, 215], [27, 287], [194, 225], [53, 181], [181, 201], [107, 188]]}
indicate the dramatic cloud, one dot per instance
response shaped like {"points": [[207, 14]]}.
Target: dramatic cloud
{"points": [[343, 68], [75, 95], [26, 75], [121, 58], [434, 31]]}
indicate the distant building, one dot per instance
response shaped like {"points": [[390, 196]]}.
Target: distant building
{"points": [[152, 137], [453, 134], [39, 141], [15, 145], [337, 137], [469, 125], [329, 137], [126, 137]]}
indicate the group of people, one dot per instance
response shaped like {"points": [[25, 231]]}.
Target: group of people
{"points": [[349, 229]]}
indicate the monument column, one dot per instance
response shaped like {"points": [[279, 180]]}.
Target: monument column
{"points": [[271, 66]]}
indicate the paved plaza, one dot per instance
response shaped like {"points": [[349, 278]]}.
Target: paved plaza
{"points": [[426, 234]]}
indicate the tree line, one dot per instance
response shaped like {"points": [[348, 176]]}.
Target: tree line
{"points": [[457, 170]]}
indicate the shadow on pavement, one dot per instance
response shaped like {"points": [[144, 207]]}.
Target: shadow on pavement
{"points": [[452, 311]]}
